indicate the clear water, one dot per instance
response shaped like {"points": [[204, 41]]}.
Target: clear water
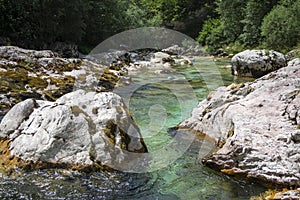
{"points": [[157, 102]]}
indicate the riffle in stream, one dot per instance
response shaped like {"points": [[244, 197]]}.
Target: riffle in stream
{"points": [[157, 103]]}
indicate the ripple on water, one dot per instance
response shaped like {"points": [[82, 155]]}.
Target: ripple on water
{"points": [[184, 179]]}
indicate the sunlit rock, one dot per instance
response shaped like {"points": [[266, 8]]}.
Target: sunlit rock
{"points": [[256, 125], [80, 130], [256, 63]]}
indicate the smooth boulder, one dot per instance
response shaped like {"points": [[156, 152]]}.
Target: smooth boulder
{"points": [[79, 130], [257, 63], [256, 125]]}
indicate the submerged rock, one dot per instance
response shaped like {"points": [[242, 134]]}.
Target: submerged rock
{"points": [[257, 63], [80, 130], [256, 125]]}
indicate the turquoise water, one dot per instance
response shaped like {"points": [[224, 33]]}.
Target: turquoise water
{"points": [[157, 103]]}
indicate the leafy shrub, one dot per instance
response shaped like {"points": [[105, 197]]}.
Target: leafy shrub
{"points": [[281, 27]]}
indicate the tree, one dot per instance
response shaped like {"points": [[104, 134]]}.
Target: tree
{"points": [[33, 23], [281, 27], [212, 34], [254, 14], [232, 13], [187, 16], [61, 20], [17, 20]]}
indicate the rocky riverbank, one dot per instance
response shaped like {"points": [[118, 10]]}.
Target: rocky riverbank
{"points": [[35, 74], [44, 75], [256, 126], [47, 125]]}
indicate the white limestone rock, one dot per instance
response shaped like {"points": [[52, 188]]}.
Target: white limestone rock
{"points": [[257, 63], [257, 127], [79, 129]]}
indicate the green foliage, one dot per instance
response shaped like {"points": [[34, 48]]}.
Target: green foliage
{"points": [[281, 27], [254, 14], [273, 24], [187, 16], [234, 48], [42, 21], [61, 20], [37, 23], [232, 13], [236, 24], [103, 19], [16, 20], [212, 34]]}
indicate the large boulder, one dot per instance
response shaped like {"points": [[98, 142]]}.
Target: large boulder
{"points": [[257, 63], [257, 127], [80, 130], [291, 55]]}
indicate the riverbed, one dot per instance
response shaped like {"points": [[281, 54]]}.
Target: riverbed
{"points": [[157, 102]]}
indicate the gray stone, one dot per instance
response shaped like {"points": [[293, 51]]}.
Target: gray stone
{"points": [[12, 120], [291, 55], [220, 53], [174, 50], [80, 129], [161, 55], [17, 54], [288, 195], [66, 50], [42, 75], [257, 63], [257, 127]]}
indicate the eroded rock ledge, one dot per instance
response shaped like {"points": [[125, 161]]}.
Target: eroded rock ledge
{"points": [[257, 126], [80, 130]]}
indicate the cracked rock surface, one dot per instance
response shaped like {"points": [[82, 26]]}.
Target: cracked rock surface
{"points": [[257, 126], [79, 129]]}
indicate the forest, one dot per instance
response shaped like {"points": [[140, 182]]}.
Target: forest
{"points": [[231, 24]]}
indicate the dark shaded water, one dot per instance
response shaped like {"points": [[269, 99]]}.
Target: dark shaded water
{"points": [[184, 179], [156, 106]]}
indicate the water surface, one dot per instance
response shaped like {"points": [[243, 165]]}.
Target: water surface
{"points": [[157, 103]]}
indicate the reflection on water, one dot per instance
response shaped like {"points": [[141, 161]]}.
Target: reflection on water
{"points": [[155, 106]]}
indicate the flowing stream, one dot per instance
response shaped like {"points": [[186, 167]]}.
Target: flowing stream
{"points": [[156, 106]]}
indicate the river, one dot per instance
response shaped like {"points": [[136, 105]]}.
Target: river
{"points": [[156, 107]]}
